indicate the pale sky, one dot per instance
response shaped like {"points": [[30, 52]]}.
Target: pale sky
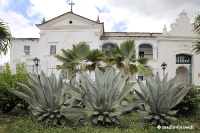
{"points": [[117, 15]]}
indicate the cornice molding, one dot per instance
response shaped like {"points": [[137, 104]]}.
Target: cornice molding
{"points": [[177, 38]]}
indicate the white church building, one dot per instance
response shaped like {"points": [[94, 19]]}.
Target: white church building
{"points": [[172, 47]]}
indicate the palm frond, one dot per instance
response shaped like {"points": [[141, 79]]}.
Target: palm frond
{"points": [[82, 50], [197, 24], [63, 67], [196, 47], [127, 48], [114, 50], [69, 54], [108, 60], [119, 65], [133, 68], [118, 58], [5, 38], [62, 59], [94, 55], [141, 68], [142, 61]]}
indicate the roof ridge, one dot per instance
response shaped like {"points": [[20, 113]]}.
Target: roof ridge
{"points": [[69, 13]]}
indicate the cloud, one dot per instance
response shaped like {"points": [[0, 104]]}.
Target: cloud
{"points": [[143, 15], [20, 26], [4, 3], [47, 8]]}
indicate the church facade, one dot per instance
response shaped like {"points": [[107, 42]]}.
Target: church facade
{"points": [[172, 47]]}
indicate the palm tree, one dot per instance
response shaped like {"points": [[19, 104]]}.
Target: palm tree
{"points": [[5, 38], [196, 46], [124, 57], [79, 58], [197, 24]]}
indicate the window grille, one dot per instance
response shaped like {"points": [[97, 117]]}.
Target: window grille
{"points": [[183, 59]]}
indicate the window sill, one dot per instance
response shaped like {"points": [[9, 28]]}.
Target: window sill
{"points": [[27, 55]]}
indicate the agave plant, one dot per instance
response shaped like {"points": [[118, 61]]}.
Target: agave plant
{"points": [[101, 98], [160, 96], [46, 97]]}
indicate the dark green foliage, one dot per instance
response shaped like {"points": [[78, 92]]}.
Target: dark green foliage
{"points": [[80, 57], [5, 37], [197, 24], [8, 80], [190, 104], [196, 46], [124, 57]]}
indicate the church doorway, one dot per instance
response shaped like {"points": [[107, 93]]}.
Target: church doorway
{"points": [[105, 49], [184, 75]]}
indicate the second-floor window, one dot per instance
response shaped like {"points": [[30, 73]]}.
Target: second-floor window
{"points": [[52, 49], [27, 50]]}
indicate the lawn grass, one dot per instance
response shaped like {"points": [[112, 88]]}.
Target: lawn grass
{"points": [[27, 123]]}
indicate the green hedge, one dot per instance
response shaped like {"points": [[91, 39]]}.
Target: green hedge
{"points": [[8, 81]]}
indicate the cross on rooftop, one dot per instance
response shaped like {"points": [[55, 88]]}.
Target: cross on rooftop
{"points": [[71, 5]]}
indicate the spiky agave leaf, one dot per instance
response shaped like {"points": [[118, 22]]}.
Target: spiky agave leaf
{"points": [[46, 96], [160, 96], [101, 97]]}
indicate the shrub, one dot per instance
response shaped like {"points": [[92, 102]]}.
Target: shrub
{"points": [[8, 80], [190, 103]]}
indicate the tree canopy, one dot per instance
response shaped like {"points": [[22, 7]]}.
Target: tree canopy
{"points": [[5, 37], [80, 57], [196, 46], [124, 56]]}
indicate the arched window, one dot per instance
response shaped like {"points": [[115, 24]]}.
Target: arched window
{"points": [[105, 49], [183, 59], [145, 51]]}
